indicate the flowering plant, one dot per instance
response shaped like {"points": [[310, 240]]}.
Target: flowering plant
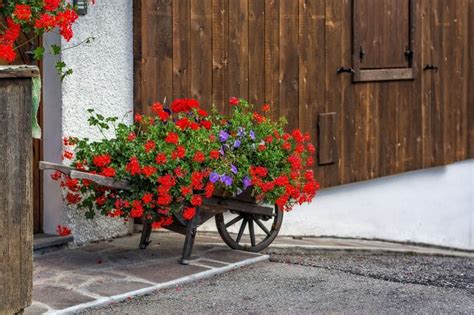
{"points": [[35, 17], [181, 155]]}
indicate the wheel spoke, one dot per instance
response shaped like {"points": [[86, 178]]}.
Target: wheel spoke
{"points": [[233, 221], [263, 227], [241, 231], [252, 233]]}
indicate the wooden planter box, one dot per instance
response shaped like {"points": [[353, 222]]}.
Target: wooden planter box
{"points": [[16, 200]]}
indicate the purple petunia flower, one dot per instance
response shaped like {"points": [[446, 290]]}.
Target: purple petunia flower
{"points": [[247, 182], [214, 177], [221, 151], [227, 180], [233, 169], [252, 135], [237, 143], [241, 132], [223, 136]]}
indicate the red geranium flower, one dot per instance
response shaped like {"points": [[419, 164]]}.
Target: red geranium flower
{"points": [[164, 200], [72, 184], [206, 124], [233, 101], [73, 198], [179, 172], [148, 170], [160, 158], [131, 136], [196, 200], [185, 191], [180, 153], [22, 12], [259, 118], [100, 200], [108, 172], [189, 213], [297, 135], [147, 198], [45, 21], [202, 113], [133, 167], [199, 157], [182, 123], [138, 118], [7, 52], [56, 175], [101, 160], [172, 137], [149, 145], [209, 190], [63, 230], [266, 108], [214, 154], [68, 155], [51, 5]]}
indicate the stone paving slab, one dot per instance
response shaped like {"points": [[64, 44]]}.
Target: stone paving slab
{"points": [[73, 279]]}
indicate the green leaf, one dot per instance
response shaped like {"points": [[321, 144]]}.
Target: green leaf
{"points": [[55, 49], [38, 53]]}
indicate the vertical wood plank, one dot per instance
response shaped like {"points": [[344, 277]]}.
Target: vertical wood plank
{"points": [[238, 48], [256, 51], [289, 56], [220, 54], [272, 53], [437, 110], [201, 51], [181, 49], [138, 62], [426, 83], [16, 195], [462, 71], [341, 99], [470, 99], [157, 52], [311, 66]]}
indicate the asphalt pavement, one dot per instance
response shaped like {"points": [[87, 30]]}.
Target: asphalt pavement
{"points": [[322, 282]]}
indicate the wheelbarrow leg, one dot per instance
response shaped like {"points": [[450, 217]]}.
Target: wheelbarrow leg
{"points": [[146, 231], [191, 231]]}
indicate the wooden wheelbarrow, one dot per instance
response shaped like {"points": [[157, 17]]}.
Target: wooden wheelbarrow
{"points": [[242, 212]]}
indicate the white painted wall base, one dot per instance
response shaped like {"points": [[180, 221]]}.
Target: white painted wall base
{"points": [[433, 206], [103, 80]]}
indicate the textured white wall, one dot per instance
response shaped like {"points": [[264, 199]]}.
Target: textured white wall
{"points": [[103, 80], [433, 206]]}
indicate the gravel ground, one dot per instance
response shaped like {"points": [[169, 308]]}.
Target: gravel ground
{"points": [[340, 282], [445, 272]]}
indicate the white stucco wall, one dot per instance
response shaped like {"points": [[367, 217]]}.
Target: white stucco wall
{"points": [[103, 80], [433, 206]]}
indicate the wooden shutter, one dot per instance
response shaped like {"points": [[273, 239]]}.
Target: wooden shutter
{"points": [[382, 39]]}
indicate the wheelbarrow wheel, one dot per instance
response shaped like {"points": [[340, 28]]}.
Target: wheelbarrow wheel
{"points": [[262, 230]]}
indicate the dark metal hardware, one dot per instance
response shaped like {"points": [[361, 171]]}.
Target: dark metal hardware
{"points": [[344, 69], [361, 53], [409, 54], [431, 67]]}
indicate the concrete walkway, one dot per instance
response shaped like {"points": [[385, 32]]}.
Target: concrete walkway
{"points": [[284, 244], [71, 280]]}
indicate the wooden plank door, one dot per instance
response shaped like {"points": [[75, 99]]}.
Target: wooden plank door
{"points": [[24, 57]]}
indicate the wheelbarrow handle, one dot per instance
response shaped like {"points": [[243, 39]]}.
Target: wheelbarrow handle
{"points": [[74, 173]]}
